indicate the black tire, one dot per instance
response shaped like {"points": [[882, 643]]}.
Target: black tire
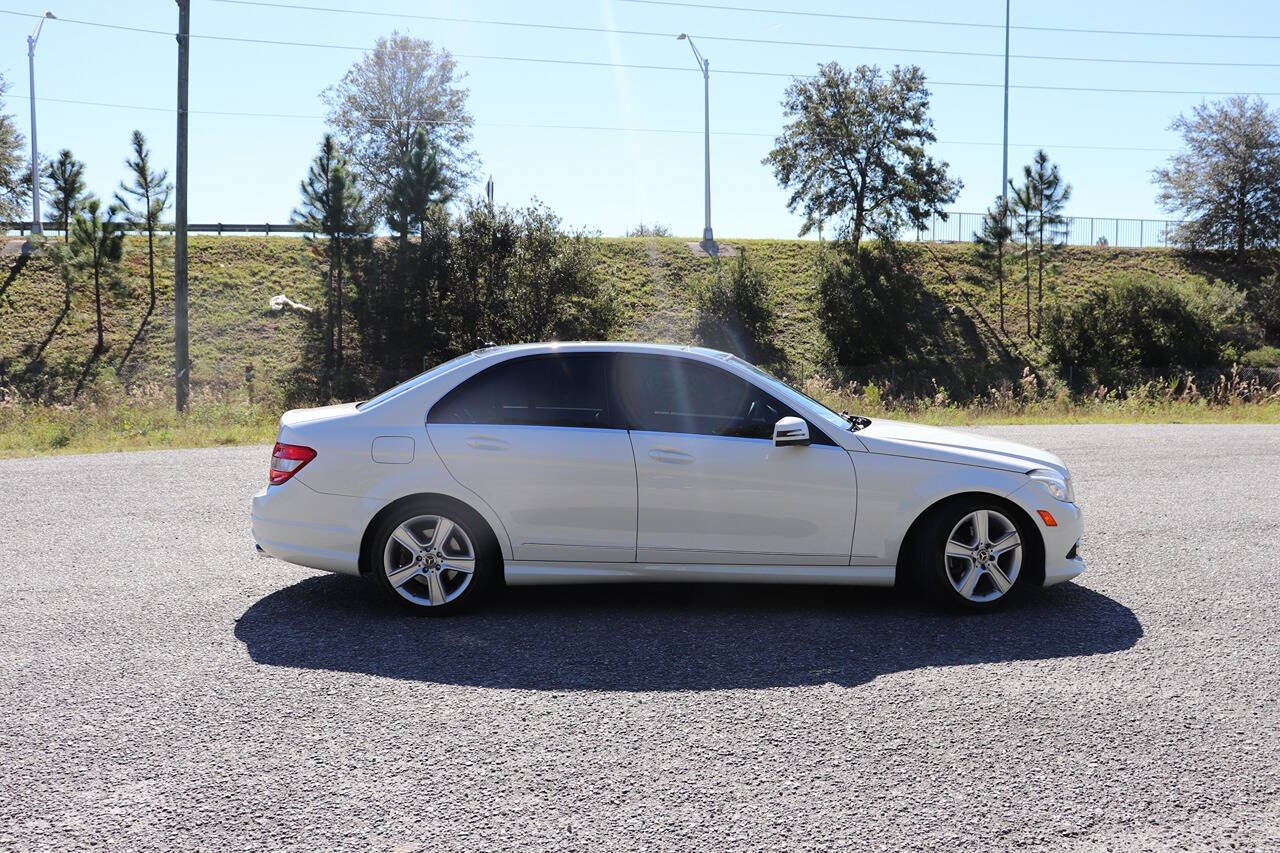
{"points": [[416, 594], [938, 575]]}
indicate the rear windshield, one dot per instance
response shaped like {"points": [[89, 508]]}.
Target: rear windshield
{"points": [[395, 390]]}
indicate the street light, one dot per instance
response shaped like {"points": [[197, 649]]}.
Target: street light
{"points": [[708, 240], [36, 227]]}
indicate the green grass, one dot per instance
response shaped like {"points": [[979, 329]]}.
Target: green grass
{"points": [[108, 402]]}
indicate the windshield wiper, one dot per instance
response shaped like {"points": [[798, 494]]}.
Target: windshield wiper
{"points": [[856, 422]]}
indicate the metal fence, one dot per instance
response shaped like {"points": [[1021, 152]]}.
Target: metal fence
{"points": [[956, 228], [1076, 231]]}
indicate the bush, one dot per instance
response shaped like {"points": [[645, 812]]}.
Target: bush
{"points": [[1265, 301], [1262, 357], [865, 305], [736, 311], [1133, 323]]}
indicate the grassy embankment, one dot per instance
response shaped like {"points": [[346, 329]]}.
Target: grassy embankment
{"points": [[121, 398]]}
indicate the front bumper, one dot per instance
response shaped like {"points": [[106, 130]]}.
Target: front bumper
{"points": [[1062, 560]]}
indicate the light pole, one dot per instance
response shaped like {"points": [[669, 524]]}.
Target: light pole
{"points": [[1004, 177], [36, 227], [708, 240]]}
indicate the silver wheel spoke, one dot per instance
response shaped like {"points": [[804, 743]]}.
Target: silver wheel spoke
{"points": [[981, 526], [436, 588], [970, 580], [459, 564], [444, 529], [407, 540], [400, 577], [1007, 542], [956, 549], [998, 578]]}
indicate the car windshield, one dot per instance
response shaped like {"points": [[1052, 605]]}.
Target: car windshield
{"points": [[396, 389], [785, 390]]}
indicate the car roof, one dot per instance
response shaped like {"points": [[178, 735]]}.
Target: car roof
{"points": [[598, 346]]}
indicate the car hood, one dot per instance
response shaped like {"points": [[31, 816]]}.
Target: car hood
{"points": [[896, 438]]}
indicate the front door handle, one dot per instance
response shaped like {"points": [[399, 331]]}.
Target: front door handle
{"points": [[671, 457], [487, 442]]}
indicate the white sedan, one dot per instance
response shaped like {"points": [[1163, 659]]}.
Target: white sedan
{"points": [[588, 462]]}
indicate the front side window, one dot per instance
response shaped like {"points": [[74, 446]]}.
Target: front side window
{"points": [[664, 394], [552, 390]]}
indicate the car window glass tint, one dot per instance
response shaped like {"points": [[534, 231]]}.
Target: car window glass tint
{"points": [[568, 391], [679, 395]]}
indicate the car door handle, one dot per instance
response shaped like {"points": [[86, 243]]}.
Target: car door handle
{"points": [[671, 457], [486, 442]]}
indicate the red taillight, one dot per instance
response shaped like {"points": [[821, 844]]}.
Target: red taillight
{"points": [[287, 460]]}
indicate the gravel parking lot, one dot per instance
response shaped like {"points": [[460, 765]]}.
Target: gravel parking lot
{"points": [[163, 687]]}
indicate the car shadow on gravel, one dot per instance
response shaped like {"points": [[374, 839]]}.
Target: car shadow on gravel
{"points": [[669, 637]]}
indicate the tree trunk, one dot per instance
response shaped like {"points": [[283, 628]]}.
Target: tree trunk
{"points": [[1040, 275], [151, 267], [1000, 279], [97, 302], [338, 295], [1027, 256]]}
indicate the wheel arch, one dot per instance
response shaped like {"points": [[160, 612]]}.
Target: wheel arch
{"points": [[1036, 547], [461, 507]]}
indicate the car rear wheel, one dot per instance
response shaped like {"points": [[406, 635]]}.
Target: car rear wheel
{"points": [[973, 554], [432, 558]]}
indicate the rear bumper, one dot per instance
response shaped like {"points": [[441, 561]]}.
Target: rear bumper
{"points": [[291, 522]]}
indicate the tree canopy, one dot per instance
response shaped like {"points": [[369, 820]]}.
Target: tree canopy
{"points": [[1226, 181], [854, 150], [15, 177], [402, 87]]}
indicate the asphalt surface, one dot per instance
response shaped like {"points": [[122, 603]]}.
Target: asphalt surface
{"points": [[162, 687]]}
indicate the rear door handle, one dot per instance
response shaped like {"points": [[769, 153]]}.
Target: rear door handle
{"points": [[487, 442], [671, 457]]}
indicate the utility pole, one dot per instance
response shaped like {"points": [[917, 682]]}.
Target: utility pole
{"points": [[1004, 178], [182, 362], [704, 65], [37, 227]]}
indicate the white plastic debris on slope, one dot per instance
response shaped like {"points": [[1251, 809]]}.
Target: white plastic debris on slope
{"points": [[281, 302]]}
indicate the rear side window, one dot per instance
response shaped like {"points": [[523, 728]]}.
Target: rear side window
{"points": [[556, 390], [663, 394]]}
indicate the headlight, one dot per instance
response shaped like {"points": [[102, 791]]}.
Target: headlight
{"points": [[1058, 485]]}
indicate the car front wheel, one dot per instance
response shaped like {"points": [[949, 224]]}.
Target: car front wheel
{"points": [[973, 554]]}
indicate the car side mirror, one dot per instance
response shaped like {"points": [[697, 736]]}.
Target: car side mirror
{"points": [[790, 432]]}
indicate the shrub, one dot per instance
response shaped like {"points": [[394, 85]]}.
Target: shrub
{"points": [[1265, 301], [1131, 323], [736, 311], [865, 304], [1267, 356]]}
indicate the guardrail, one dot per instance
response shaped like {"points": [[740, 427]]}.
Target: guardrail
{"points": [[21, 228]]}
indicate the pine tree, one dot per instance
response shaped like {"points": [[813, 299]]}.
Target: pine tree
{"points": [[150, 196], [1024, 207], [97, 243], [996, 233], [66, 179], [332, 206], [1050, 195]]}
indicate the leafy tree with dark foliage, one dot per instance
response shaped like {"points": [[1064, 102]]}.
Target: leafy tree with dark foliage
{"points": [[15, 174], [854, 150], [1050, 195], [736, 311], [1226, 181]]}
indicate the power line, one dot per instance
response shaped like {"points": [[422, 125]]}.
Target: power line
{"points": [[944, 23], [645, 67], [749, 40], [544, 126]]}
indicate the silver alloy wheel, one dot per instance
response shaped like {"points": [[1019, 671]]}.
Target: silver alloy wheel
{"points": [[429, 560], [983, 555]]}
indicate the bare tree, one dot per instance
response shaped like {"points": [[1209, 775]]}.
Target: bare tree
{"points": [[1226, 181], [854, 150], [402, 87]]}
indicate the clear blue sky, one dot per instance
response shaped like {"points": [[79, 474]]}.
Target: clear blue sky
{"points": [[248, 168]]}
